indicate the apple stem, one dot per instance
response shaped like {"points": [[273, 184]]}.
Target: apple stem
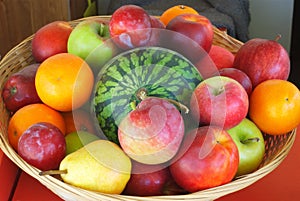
{"points": [[221, 90], [142, 95], [53, 172], [101, 31], [255, 139], [218, 90], [277, 38], [13, 90]]}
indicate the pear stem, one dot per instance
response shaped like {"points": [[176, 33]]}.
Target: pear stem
{"points": [[255, 139], [53, 172], [142, 95]]}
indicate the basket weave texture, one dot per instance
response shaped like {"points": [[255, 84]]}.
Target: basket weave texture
{"points": [[277, 147]]}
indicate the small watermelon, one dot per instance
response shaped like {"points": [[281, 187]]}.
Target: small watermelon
{"points": [[157, 71]]}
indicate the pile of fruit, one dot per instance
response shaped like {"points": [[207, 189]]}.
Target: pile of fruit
{"points": [[143, 105]]}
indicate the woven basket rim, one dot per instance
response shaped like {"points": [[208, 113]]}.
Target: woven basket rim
{"points": [[69, 192], [60, 188]]}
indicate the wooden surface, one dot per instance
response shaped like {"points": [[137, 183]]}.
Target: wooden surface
{"points": [[21, 18]]}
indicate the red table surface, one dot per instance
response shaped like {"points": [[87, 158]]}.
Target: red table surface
{"points": [[9, 173], [281, 184]]}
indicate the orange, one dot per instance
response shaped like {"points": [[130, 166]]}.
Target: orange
{"points": [[29, 115], [275, 106], [78, 120], [64, 81], [174, 11]]}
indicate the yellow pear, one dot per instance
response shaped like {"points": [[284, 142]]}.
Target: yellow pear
{"points": [[98, 166]]}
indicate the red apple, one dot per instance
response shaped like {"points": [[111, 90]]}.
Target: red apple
{"points": [[263, 59], [194, 26], [19, 89], [152, 133], [206, 66], [156, 23], [222, 57], [182, 44], [211, 160], [130, 26], [220, 101], [42, 145], [147, 180], [239, 76], [157, 32], [50, 39]]}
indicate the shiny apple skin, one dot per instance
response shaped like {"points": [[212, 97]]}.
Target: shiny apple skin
{"points": [[222, 57], [50, 39], [219, 101], [211, 160], [239, 76], [196, 27], [156, 23], [19, 89], [251, 145], [153, 132], [263, 59], [147, 180]]}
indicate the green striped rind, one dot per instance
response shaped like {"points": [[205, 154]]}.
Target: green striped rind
{"points": [[161, 72]]}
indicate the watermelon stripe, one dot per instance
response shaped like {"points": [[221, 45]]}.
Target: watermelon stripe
{"points": [[162, 72]]}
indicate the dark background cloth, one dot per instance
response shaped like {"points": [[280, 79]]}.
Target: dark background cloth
{"points": [[230, 14]]}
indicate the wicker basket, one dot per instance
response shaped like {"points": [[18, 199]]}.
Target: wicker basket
{"points": [[277, 147]]}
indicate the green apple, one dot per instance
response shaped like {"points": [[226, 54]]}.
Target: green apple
{"points": [[77, 139], [251, 146], [90, 40]]}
